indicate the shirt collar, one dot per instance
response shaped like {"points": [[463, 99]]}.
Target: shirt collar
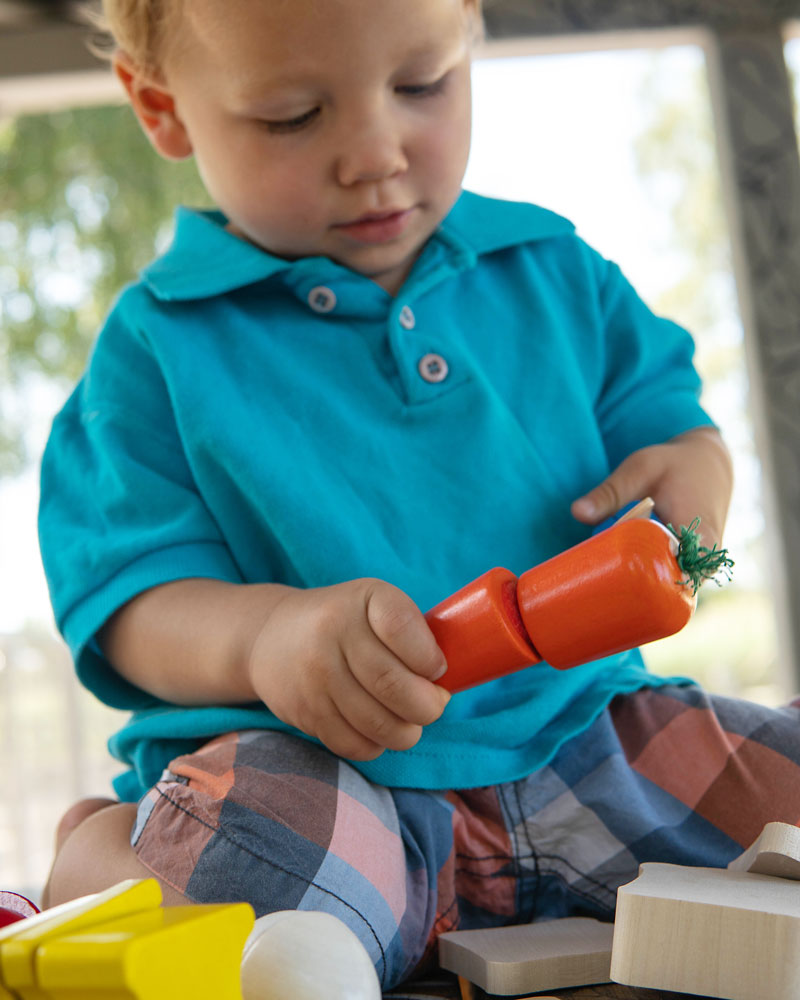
{"points": [[205, 259], [489, 224]]}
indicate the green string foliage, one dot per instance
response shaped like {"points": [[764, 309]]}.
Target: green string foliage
{"points": [[697, 562]]}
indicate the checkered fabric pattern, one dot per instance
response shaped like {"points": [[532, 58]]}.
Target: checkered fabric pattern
{"points": [[668, 774]]}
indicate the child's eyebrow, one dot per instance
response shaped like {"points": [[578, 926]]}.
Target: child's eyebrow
{"points": [[299, 78], [435, 50]]}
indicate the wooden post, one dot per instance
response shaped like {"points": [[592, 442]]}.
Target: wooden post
{"points": [[761, 173]]}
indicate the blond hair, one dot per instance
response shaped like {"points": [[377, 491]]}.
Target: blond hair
{"points": [[138, 28]]}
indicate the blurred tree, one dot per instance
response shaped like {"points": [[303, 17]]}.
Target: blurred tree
{"points": [[732, 647], [84, 204], [677, 162]]}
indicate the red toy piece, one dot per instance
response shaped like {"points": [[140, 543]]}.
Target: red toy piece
{"points": [[14, 907], [480, 631], [621, 588]]}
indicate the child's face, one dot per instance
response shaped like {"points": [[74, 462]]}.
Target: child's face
{"points": [[328, 127]]}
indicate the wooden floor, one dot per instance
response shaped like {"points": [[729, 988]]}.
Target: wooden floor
{"points": [[446, 988]]}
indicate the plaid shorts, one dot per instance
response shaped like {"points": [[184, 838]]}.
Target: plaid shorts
{"points": [[668, 774]]}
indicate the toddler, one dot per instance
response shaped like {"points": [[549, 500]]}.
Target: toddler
{"points": [[331, 403]]}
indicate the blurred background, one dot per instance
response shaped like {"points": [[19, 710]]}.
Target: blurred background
{"points": [[615, 127]]}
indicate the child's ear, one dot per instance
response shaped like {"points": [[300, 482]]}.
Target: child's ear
{"points": [[474, 9], [154, 106]]}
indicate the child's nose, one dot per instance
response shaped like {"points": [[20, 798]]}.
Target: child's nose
{"points": [[372, 152]]}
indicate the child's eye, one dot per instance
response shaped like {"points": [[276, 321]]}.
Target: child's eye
{"points": [[423, 89], [292, 124]]}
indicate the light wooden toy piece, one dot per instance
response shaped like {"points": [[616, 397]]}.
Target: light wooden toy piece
{"points": [[19, 941], [176, 951], [551, 955], [708, 931], [306, 955], [467, 991], [776, 852]]}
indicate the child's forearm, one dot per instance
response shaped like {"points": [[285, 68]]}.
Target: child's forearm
{"points": [[352, 664], [189, 641]]}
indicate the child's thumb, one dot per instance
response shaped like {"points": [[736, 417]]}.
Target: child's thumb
{"points": [[626, 483]]}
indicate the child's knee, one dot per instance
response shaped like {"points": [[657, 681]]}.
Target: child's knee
{"points": [[96, 854], [248, 816], [283, 824]]}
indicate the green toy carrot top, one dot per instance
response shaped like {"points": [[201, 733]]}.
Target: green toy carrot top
{"points": [[697, 562]]}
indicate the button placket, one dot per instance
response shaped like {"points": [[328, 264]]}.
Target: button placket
{"points": [[422, 369]]}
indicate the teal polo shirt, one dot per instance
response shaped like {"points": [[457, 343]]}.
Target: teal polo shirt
{"points": [[253, 419]]}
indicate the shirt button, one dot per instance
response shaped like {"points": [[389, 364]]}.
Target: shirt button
{"points": [[322, 299], [433, 368], [407, 318]]}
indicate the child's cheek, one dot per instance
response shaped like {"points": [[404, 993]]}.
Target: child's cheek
{"points": [[448, 149]]}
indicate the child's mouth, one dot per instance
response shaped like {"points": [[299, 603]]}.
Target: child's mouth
{"points": [[377, 227]]}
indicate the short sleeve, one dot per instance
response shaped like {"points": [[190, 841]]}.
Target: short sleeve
{"points": [[119, 511], [651, 390]]}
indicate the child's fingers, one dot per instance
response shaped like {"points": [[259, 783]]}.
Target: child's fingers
{"points": [[409, 697], [399, 624], [371, 719], [336, 733]]}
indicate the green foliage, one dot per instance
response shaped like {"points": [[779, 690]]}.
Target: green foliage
{"points": [[84, 204], [677, 161], [731, 646]]}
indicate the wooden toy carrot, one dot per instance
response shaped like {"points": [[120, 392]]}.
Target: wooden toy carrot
{"points": [[480, 631], [618, 589], [628, 585]]}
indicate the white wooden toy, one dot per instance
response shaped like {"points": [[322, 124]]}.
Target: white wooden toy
{"points": [[775, 852], [527, 958], [306, 955], [709, 931]]}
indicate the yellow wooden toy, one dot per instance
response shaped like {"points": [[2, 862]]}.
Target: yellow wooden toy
{"points": [[177, 951], [19, 941]]}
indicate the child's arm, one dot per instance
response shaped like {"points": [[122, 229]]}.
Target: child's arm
{"points": [[689, 476], [351, 664]]}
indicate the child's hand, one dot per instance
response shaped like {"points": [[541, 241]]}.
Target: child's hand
{"points": [[352, 665], [689, 476]]}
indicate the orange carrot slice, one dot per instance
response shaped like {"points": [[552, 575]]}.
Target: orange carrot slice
{"points": [[480, 631], [620, 588]]}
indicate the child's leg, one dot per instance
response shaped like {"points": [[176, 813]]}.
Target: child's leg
{"points": [[670, 774], [283, 824], [662, 775], [93, 852]]}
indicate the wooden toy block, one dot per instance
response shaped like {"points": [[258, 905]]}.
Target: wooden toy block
{"points": [[177, 951], [527, 958], [775, 852], [708, 931], [19, 941]]}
